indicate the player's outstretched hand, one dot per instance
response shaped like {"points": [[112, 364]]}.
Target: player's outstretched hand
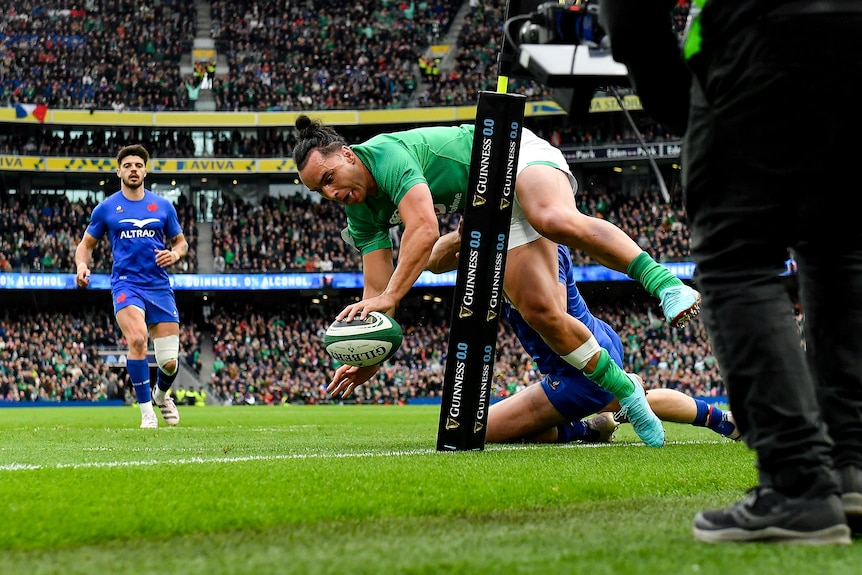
{"points": [[384, 303], [349, 377]]}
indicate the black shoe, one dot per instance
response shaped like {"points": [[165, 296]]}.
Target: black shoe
{"points": [[850, 482], [769, 515]]}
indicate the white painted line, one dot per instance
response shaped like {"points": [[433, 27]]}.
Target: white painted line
{"points": [[299, 456]]}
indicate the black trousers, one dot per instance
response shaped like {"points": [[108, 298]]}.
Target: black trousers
{"points": [[771, 161]]}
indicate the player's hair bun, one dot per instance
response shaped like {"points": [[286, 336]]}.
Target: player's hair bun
{"points": [[303, 124]]}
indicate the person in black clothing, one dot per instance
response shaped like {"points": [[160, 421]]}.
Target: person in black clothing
{"points": [[735, 86]]}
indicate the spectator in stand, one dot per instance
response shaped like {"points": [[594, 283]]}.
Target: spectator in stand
{"points": [[218, 261], [209, 76], [193, 91]]}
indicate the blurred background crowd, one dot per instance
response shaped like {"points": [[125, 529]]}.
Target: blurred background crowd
{"points": [[281, 56], [293, 234]]}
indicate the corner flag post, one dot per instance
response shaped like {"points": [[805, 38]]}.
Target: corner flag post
{"points": [[478, 296]]}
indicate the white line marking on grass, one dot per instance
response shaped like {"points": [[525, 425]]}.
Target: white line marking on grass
{"points": [[186, 428], [297, 456], [195, 460]]}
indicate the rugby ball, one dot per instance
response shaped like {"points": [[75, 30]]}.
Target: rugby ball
{"points": [[363, 342]]}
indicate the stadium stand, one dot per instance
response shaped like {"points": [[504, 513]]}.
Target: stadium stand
{"points": [[39, 233], [323, 55], [112, 73], [93, 54], [55, 356]]}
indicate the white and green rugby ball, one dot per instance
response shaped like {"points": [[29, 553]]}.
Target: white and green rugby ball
{"points": [[363, 342]]}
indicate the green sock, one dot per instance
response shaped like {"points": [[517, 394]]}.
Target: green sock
{"points": [[611, 377], [652, 275]]}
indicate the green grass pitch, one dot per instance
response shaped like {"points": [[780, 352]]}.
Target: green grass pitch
{"points": [[361, 490]]}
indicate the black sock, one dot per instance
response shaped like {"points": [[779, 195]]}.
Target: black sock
{"points": [[165, 381]]}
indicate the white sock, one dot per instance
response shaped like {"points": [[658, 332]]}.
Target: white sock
{"points": [[147, 408]]}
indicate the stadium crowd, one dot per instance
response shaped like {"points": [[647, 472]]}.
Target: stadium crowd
{"points": [[95, 54], [322, 55], [57, 356], [289, 234], [295, 234], [29, 140], [281, 234], [39, 233], [110, 54], [114, 54], [475, 63], [274, 354]]}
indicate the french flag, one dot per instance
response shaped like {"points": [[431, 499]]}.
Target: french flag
{"points": [[38, 111]]}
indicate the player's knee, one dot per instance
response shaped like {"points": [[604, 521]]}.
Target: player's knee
{"points": [[557, 224], [539, 315], [137, 342], [167, 350]]}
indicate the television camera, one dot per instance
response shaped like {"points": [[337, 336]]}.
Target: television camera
{"points": [[563, 46]]}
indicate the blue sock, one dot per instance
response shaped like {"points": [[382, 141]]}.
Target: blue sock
{"points": [[712, 417], [702, 413], [575, 431], [139, 373]]}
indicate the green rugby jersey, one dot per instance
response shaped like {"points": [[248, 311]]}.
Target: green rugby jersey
{"points": [[438, 156]]}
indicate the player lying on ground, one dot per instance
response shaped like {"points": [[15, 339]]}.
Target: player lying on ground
{"points": [[553, 410]]}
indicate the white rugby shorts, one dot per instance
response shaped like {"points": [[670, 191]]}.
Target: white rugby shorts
{"points": [[534, 150]]}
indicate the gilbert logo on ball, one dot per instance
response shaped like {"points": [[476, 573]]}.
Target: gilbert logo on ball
{"points": [[363, 343]]}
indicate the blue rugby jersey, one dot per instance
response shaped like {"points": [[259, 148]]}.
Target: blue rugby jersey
{"points": [[136, 230]]}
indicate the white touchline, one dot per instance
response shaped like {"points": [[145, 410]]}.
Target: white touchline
{"points": [[198, 460]]}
